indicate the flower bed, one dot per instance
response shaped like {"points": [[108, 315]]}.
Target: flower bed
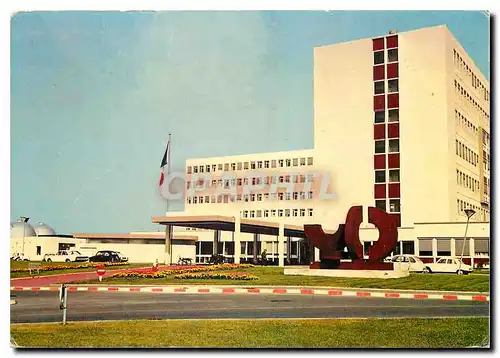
{"points": [[217, 276], [68, 267], [178, 271]]}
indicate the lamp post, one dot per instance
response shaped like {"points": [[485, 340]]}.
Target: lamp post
{"points": [[469, 213]]}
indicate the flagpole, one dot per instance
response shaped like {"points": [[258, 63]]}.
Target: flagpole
{"points": [[168, 228], [169, 145]]}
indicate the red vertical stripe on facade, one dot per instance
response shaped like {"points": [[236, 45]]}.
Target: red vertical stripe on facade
{"points": [[380, 191], [397, 217], [379, 161], [392, 41], [394, 191], [379, 131], [393, 100], [393, 130], [378, 102], [378, 44], [392, 70], [393, 160], [378, 73]]}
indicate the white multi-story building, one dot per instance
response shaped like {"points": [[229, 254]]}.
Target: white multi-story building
{"points": [[401, 122]]}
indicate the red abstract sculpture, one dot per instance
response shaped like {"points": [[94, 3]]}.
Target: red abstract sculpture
{"points": [[332, 246]]}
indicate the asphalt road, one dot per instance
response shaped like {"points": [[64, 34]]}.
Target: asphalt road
{"points": [[44, 306]]}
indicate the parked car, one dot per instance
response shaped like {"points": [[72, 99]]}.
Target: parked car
{"points": [[66, 256], [108, 256], [449, 265], [409, 263], [19, 256]]}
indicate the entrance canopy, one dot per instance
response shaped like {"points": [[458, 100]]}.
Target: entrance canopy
{"points": [[227, 223]]}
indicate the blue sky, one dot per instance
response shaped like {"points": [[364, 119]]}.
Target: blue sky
{"points": [[95, 94]]}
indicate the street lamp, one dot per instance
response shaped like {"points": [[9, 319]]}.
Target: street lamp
{"points": [[469, 213]]}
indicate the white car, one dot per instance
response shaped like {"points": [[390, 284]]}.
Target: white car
{"points": [[19, 256], [66, 256], [408, 263], [449, 265]]}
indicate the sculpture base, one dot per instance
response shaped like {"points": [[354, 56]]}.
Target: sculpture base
{"points": [[306, 271], [352, 265]]}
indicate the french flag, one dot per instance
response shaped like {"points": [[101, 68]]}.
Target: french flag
{"points": [[164, 162]]}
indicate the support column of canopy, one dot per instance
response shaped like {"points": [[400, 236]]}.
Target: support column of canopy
{"points": [[237, 239], [215, 246], [168, 244], [255, 253], [281, 245]]}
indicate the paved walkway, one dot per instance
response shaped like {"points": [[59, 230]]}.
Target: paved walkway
{"points": [[47, 280]]}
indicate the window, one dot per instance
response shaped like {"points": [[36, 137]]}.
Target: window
{"points": [[195, 169], [380, 117], [288, 196], [288, 162], [280, 212], [239, 166], [245, 165], [189, 170], [393, 86], [393, 145], [259, 213], [378, 57], [266, 164], [259, 197], [295, 162], [380, 146], [379, 87], [273, 163], [201, 200], [392, 55], [252, 165], [380, 176], [302, 212], [394, 175], [189, 200], [226, 167], [214, 167], [252, 197], [302, 161], [380, 204], [195, 200], [233, 166], [408, 248], [295, 212], [266, 213], [287, 212], [208, 169], [207, 199], [310, 161], [220, 166], [425, 247], [281, 163], [310, 212], [273, 212], [394, 206], [252, 213]]}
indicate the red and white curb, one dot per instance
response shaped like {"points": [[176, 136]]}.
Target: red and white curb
{"points": [[268, 291]]}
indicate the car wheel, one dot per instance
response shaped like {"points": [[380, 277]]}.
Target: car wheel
{"points": [[68, 260], [427, 270], [460, 272], [49, 260]]}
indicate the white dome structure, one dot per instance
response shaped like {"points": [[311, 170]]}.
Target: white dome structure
{"points": [[42, 229], [21, 229]]}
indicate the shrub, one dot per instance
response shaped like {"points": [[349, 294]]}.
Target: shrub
{"points": [[217, 276], [178, 271], [68, 267]]}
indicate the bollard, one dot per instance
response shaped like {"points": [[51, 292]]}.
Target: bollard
{"points": [[63, 301]]}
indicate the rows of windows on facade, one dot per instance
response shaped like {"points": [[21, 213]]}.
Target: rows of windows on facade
{"points": [[276, 213], [467, 74], [257, 180], [386, 86], [227, 198], [250, 165]]}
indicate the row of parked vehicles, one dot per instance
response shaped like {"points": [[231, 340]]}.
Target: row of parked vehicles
{"points": [[76, 256], [443, 265]]}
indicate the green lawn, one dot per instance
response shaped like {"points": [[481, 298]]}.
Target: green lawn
{"points": [[272, 333], [24, 264], [274, 276]]}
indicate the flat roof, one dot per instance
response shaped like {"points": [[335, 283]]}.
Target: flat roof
{"points": [[154, 235], [226, 223]]}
